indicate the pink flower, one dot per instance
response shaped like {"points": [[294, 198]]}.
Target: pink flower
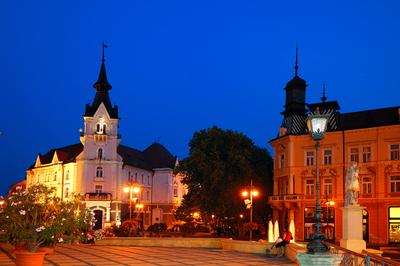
{"points": [[18, 188], [60, 239], [22, 212], [39, 229]]}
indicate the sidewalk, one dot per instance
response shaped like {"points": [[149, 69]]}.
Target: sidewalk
{"points": [[117, 255]]}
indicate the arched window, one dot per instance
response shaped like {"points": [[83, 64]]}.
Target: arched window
{"points": [[98, 128], [100, 154], [104, 128], [67, 175], [99, 172]]}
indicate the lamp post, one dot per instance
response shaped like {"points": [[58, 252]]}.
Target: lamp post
{"points": [[249, 204], [133, 191], [317, 126]]}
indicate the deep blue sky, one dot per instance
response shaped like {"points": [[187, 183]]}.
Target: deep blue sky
{"points": [[180, 66]]}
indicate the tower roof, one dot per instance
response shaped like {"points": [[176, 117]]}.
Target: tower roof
{"points": [[102, 87]]}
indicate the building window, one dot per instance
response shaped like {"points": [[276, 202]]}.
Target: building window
{"points": [[328, 186], [366, 185], [148, 180], [67, 175], [135, 177], [282, 161], [309, 158], [147, 195], [98, 128], [327, 157], [395, 184], [129, 177], [104, 128], [175, 190], [98, 188], [309, 187], [66, 192], [99, 172], [142, 179], [366, 154], [354, 155], [55, 176], [100, 154], [394, 225], [395, 152]]}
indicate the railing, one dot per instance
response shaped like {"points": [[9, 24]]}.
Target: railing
{"points": [[290, 197], [351, 258], [98, 196]]}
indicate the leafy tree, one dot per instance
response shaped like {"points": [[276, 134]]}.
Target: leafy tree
{"points": [[220, 165]]}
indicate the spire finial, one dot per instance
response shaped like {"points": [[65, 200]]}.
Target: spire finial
{"points": [[104, 46], [323, 98], [296, 67]]}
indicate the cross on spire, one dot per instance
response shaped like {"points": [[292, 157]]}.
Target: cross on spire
{"points": [[104, 46]]}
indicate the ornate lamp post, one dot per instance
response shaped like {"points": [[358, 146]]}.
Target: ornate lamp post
{"points": [[133, 191], [249, 204], [317, 126]]}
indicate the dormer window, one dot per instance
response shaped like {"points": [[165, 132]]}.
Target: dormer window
{"points": [[100, 154]]}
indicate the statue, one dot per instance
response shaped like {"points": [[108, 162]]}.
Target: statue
{"points": [[352, 185]]}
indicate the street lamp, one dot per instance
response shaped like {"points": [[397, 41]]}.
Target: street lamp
{"points": [[317, 126], [249, 204], [133, 191]]}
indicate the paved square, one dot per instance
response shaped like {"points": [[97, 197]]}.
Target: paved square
{"points": [[120, 255]]}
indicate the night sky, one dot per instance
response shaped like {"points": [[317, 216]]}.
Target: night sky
{"points": [[180, 66]]}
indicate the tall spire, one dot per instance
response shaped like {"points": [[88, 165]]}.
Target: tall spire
{"points": [[323, 98], [102, 83], [296, 67]]}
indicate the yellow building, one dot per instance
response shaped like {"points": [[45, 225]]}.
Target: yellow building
{"points": [[99, 168]]}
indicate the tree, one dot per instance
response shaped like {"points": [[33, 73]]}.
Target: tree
{"points": [[219, 166]]}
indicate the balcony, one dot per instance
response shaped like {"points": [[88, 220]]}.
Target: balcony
{"points": [[100, 138], [98, 196]]}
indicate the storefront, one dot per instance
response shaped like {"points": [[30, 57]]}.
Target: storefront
{"points": [[394, 225]]}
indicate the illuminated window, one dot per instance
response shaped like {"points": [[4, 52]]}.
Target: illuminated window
{"points": [[327, 157], [366, 185], [395, 152], [395, 184], [354, 155], [309, 158], [67, 175], [394, 225], [366, 154], [99, 172], [309, 187], [100, 154], [98, 188], [328, 186]]}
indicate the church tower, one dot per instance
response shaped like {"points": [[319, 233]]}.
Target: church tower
{"points": [[99, 163], [295, 113]]}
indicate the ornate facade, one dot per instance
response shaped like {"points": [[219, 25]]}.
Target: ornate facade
{"points": [[99, 168], [371, 138]]}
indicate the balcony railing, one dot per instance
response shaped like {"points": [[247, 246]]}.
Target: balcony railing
{"points": [[98, 196], [290, 197]]}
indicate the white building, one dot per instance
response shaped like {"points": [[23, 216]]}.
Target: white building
{"points": [[99, 168]]}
